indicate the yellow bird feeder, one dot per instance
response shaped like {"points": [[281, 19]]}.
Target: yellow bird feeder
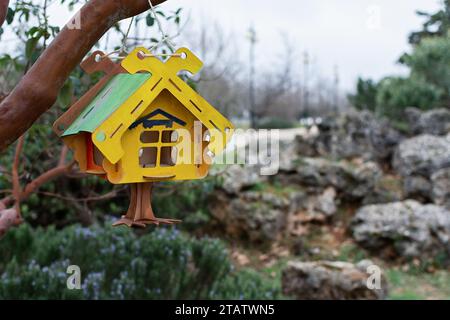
{"points": [[143, 124]]}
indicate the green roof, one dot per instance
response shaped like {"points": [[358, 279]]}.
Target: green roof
{"points": [[110, 98]]}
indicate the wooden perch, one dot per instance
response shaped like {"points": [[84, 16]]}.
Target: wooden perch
{"points": [[38, 89]]}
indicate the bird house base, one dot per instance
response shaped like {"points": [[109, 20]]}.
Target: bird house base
{"points": [[140, 213]]}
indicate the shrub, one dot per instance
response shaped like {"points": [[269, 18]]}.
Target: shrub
{"points": [[191, 201], [395, 94], [118, 264]]}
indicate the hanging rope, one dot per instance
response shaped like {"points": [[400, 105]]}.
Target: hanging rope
{"points": [[165, 39], [125, 39]]}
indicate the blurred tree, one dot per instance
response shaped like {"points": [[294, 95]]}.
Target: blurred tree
{"points": [[428, 83], [436, 25], [430, 60], [366, 95]]}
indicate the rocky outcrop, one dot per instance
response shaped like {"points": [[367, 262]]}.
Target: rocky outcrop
{"points": [[354, 134], [332, 280], [409, 228], [237, 178], [258, 217], [435, 122], [352, 180]]}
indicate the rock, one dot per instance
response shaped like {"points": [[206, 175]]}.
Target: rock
{"points": [[412, 116], [441, 188], [365, 176], [258, 217], [307, 146], [325, 203], [417, 187], [387, 189], [409, 228], [237, 178], [354, 134], [435, 122], [289, 154], [354, 181], [326, 280], [306, 208], [422, 155]]}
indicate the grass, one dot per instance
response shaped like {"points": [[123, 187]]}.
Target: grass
{"points": [[418, 286]]}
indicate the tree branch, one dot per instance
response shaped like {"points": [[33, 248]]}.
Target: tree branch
{"points": [[38, 89], [11, 217], [3, 10], [15, 176]]}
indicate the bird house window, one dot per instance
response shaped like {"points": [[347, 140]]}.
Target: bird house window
{"points": [[150, 137], [158, 148], [148, 157], [168, 156], [169, 136]]}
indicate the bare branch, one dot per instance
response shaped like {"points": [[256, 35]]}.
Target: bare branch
{"points": [[15, 176], [12, 217]]}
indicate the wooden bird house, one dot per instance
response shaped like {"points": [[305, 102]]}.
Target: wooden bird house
{"points": [[143, 124]]}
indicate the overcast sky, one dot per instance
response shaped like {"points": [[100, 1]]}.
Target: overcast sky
{"points": [[362, 37]]}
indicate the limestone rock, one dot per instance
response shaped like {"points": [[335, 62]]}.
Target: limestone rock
{"points": [[317, 174], [422, 155], [330, 280], [237, 178], [409, 228], [355, 134], [258, 217]]}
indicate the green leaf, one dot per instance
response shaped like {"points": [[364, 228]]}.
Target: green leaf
{"points": [[65, 94], [5, 60], [161, 13], [30, 47], [32, 32], [10, 16], [150, 20]]}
